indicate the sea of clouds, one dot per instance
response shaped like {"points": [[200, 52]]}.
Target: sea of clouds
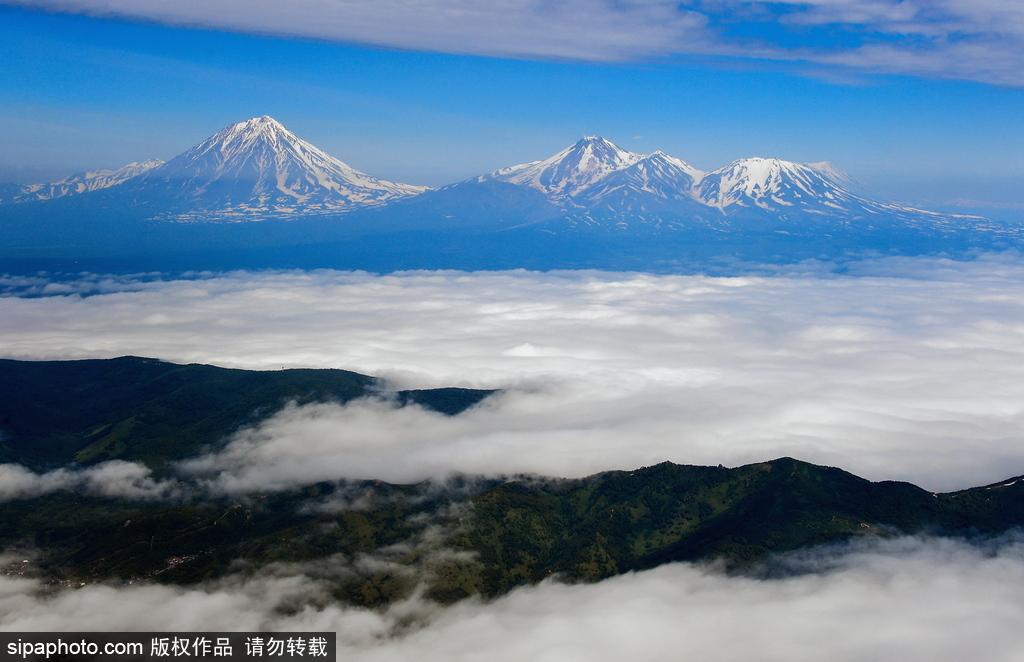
{"points": [[904, 369], [903, 599], [896, 369]]}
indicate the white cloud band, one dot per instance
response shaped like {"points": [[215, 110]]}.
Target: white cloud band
{"points": [[913, 369]]}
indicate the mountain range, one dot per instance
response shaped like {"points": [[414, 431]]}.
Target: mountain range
{"points": [[258, 169], [82, 182], [595, 197]]}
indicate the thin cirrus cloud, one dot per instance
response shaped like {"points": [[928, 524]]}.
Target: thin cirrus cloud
{"points": [[910, 369], [883, 599], [981, 40], [575, 30]]}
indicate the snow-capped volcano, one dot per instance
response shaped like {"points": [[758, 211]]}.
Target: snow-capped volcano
{"points": [[774, 190], [259, 168], [775, 185], [595, 184], [571, 170], [84, 182]]}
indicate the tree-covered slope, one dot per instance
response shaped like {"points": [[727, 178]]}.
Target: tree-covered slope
{"points": [[377, 542], [620, 521], [57, 412]]}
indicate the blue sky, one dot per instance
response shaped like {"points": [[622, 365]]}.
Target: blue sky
{"points": [[80, 91]]}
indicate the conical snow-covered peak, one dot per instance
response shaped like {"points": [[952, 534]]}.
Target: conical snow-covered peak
{"points": [[258, 167], [248, 134], [258, 123], [263, 122], [771, 183], [598, 143], [571, 170], [274, 147]]}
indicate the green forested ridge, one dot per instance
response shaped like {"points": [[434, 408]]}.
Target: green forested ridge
{"points": [[460, 537], [56, 412], [497, 534]]}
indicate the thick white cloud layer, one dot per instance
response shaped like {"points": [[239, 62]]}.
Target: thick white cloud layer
{"points": [[969, 39], [905, 369], [911, 599], [911, 369]]}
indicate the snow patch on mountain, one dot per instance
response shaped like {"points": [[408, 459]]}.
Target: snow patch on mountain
{"points": [[84, 182], [657, 175]]}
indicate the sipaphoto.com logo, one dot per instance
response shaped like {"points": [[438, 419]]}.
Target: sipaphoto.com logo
{"points": [[62, 649], [159, 646]]}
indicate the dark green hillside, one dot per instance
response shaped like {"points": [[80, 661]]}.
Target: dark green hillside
{"points": [[619, 521], [56, 412], [515, 532]]}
